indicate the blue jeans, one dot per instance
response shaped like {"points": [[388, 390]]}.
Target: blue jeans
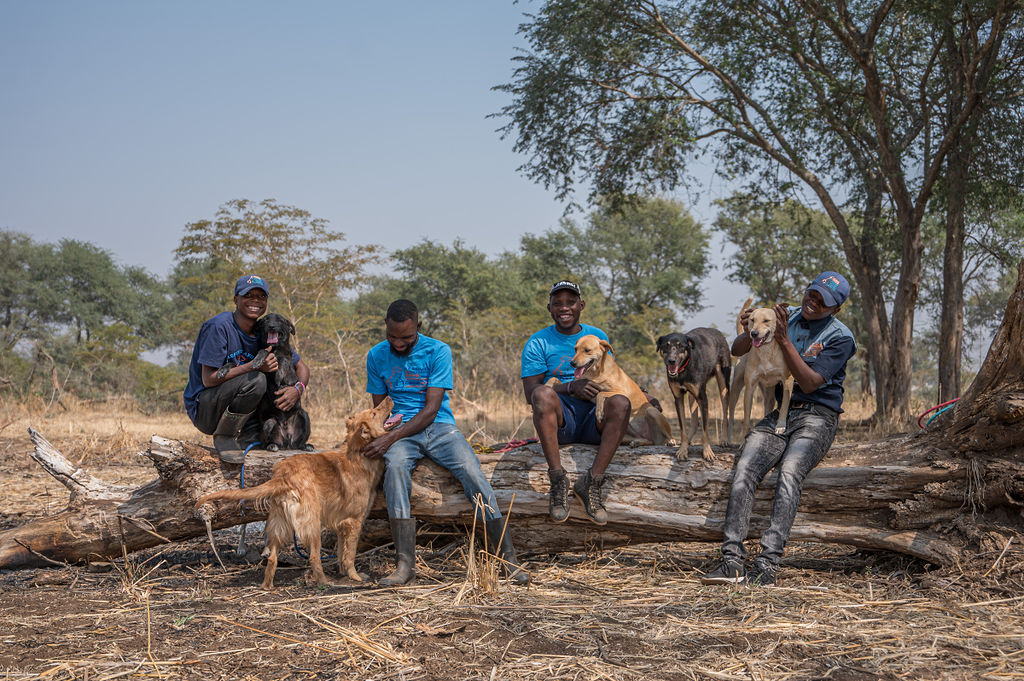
{"points": [[809, 433], [446, 446]]}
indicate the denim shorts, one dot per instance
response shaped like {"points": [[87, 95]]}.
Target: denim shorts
{"points": [[580, 422]]}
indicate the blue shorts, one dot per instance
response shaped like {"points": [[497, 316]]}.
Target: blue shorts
{"points": [[580, 422]]}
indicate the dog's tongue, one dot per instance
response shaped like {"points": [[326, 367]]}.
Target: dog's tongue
{"points": [[758, 341], [673, 369], [579, 371], [392, 421], [272, 338]]}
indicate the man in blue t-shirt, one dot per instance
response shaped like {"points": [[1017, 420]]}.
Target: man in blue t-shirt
{"points": [[221, 406], [416, 372], [816, 347], [564, 411]]}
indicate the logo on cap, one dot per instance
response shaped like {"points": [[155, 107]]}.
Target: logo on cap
{"points": [[565, 285]]}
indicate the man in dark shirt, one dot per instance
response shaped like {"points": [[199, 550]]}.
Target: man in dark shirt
{"points": [[816, 347]]}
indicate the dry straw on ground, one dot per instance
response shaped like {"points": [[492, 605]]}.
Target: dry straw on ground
{"points": [[633, 613]]}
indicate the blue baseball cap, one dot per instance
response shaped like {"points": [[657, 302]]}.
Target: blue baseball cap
{"points": [[248, 282], [832, 286]]}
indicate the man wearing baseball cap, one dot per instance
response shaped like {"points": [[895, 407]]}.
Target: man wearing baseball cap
{"points": [[816, 347], [221, 405], [564, 411]]}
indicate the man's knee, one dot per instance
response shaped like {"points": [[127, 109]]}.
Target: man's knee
{"points": [[545, 399], [617, 408]]}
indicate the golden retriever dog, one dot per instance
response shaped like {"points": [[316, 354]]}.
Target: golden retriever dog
{"points": [[593, 360], [766, 366], [307, 492], [737, 385]]}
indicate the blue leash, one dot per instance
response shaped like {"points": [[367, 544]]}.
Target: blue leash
{"points": [[937, 413], [295, 540]]}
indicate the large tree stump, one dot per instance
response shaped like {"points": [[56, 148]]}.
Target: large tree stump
{"points": [[914, 494]]}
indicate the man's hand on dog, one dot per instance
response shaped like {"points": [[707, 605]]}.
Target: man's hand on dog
{"points": [[287, 398], [269, 365], [782, 324], [584, 389], [376, 447]]}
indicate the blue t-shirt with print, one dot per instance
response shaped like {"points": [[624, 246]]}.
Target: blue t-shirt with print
{"points": [[825, 345], [549, 352], [220, 341], [406, 378]]}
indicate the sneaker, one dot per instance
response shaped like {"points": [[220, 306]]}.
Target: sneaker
{"points": [[590, 489], [558, 501], [728, 572], [762, 573]]}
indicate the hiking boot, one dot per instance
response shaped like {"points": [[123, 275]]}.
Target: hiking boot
{"points": [[558, 498], [762, 573], [403, 531], [226, 437], [729, 572], [590, 489], [499, 543]]}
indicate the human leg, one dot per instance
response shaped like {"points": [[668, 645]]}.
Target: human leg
{"points": [[400, 460], [224, 411], [590, 487], [811, 431]]}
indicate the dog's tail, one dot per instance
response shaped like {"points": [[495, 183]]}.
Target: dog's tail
{"points": [[739, 327], [260, 494]]}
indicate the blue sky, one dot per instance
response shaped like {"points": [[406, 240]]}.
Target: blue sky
{"points": [[122, 121]]}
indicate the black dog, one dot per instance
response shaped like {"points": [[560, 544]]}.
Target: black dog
{"points": [[280, 429], [690, 361]]}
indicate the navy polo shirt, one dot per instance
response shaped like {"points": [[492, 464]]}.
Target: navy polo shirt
{"points": [[825, 345]]}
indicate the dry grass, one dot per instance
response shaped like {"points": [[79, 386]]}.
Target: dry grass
{"points": [[634, 613]]}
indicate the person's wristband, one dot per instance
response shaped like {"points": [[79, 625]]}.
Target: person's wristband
{"points": [[300, 386]]}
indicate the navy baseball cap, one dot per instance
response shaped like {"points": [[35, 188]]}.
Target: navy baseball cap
{"points": [[832, 286], [564, 285], [248, 282]]}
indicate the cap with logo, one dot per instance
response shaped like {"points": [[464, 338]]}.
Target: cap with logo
{"points": [[564, 285], [248, 282], [832, 286]]}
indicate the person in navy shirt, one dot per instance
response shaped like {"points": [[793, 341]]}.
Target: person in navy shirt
{"points": [[816, 347], [222, 406], [416, 372], [564, 411]]}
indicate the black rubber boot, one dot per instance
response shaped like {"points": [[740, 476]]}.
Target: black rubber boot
{"points": [[403, 531], [500, 544], [226, 436]]}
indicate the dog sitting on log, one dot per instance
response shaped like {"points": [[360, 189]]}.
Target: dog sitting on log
{"points": [[307, 492], [279, 428], [593, 360]]}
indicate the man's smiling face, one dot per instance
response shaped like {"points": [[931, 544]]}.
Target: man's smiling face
{"points": [[252, 305], [565, 308]]}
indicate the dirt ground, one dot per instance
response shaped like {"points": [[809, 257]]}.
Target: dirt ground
{"points": [[633, 613]]}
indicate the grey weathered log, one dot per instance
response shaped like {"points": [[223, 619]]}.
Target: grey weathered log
{"points": [[856, 496]]}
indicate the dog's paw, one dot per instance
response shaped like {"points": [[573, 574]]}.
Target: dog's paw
{"points": [[308, 448], [683, 451], [223, 371], [259, 359], [708, 455]]}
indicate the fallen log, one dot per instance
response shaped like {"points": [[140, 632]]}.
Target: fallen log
{"points": [[854, 497]]}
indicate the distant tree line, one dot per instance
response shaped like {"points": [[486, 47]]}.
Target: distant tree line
{"points": [[74, 322]]}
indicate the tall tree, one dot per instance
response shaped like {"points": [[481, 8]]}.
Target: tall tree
{"points": [[836, 96]]}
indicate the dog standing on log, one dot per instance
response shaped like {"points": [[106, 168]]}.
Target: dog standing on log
{"points": [[307, 492], [691, 359], [281, 428], [594, 361], [766, 366], [738, 383]]}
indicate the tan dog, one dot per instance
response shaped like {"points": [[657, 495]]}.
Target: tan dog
{"points": [[594, 361], [766, 366], [307, 492], [738, 385]]}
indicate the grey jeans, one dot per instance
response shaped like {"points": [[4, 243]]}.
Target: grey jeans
{"points": [[809, 433]]}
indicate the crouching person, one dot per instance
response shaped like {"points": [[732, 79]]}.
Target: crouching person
{"points": [[416, 372]]}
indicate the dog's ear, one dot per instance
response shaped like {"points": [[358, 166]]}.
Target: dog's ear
{"points": [[689, 343], [660, 343], [607, 347]]}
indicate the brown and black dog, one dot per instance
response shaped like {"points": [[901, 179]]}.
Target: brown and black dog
{"points": [[307, 492], [691, 359], [593, 360]]}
